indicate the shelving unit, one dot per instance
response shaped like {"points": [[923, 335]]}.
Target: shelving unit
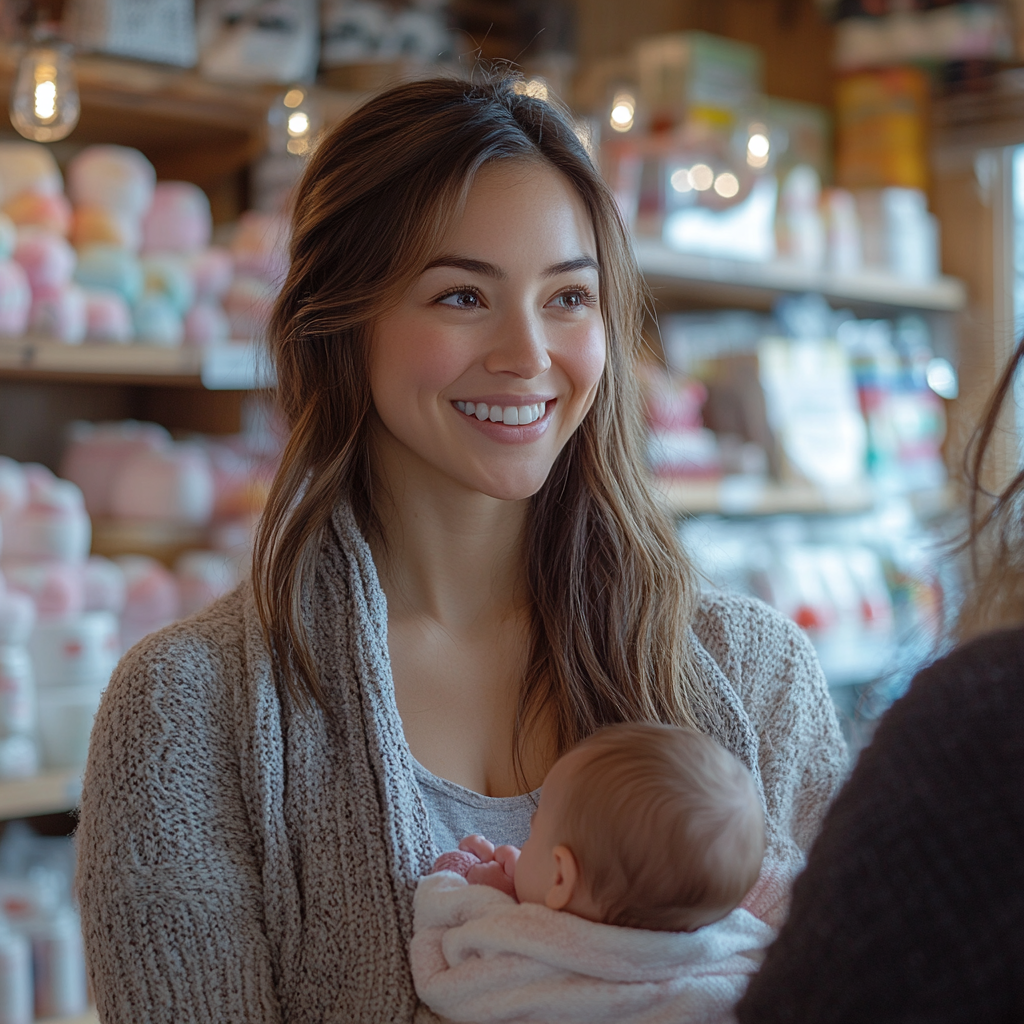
{"points": [[86, 1018], [755, 496], [49, 793]]}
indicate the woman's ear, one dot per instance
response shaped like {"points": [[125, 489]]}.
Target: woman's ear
{"points": [[567, 876]]}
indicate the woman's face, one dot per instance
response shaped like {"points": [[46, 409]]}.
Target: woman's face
{"points": [[494, 355]]}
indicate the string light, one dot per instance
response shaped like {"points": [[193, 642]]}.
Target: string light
{"points": [[758, 147], [701, 177], [293, 119], [44, 103], [727, 185], [623, 112]]}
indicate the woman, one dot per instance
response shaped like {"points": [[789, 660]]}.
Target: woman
{"points": [[460, 573], [912, 905]]}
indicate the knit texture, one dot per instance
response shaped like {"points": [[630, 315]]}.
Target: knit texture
{"points": [[912, 905], [240, 860]]}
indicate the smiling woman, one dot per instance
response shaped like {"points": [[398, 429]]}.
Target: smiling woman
{"points": [[461, 573]]}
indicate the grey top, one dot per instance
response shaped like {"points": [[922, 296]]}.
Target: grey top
{"points": [[240, 859], [455, 812]]}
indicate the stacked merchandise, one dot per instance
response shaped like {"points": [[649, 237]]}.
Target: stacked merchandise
{"points": [[123, 258]]}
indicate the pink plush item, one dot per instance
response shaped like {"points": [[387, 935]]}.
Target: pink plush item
{"points": [[52, 525], [17, 617], [107, 317], [55, 587], [212, 270], [60, 314], [106, 589], [153, 600], [174, 485], [13, 487], [203, 576], [248, 304], [461, 862], [15, 299], [178, 220], [47, 259], [260, 247], [96, 452], [27, 165], [8, 237], [37, 209], [94, 225], [206, 324], [113, 177]]}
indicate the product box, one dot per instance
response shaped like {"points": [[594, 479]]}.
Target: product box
{"points": [[156, 30]]}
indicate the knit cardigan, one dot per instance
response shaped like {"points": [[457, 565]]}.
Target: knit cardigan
{"points": [[241, 860]]}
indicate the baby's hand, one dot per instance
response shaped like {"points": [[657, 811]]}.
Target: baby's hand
{"points": [[497, 867]]}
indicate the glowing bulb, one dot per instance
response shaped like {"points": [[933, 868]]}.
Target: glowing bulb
{"points": [[293, 97], [680, 180], [758, 145], [701, 177], [298, 123], [293, 120], [44, 103], [727, 185], [623, 112]]}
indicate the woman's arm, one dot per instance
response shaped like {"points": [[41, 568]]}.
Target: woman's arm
{"points": [[168, 871]]}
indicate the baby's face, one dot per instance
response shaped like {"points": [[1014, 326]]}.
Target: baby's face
{"points": [[537, 869]]}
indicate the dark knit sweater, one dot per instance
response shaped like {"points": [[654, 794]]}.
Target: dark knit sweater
{"points": [[912, 904]]}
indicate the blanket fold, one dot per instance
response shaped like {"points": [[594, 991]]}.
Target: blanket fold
{"points": [[479, 957]]}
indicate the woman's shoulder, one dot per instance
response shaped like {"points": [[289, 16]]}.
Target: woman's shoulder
{"points": [[754, 644]]}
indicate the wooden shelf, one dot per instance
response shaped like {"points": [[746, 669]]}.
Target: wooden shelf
{"points": [[232, 367], [683, 275], [49, 793], [752, 496], [86, 1018]]}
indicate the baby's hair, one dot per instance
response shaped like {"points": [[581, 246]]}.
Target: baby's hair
{"points": [[665, 824]]}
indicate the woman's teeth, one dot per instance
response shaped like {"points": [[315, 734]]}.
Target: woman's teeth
{"points": [[510, 415]]}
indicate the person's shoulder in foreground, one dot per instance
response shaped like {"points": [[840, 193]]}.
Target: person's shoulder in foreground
{"points": [[912, 904]]}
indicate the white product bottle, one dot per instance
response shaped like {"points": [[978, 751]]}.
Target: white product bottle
{"points": [[16, 998], [18, 755], [58, 963]]}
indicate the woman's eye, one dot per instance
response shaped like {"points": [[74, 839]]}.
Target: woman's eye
{"points": [[575, 298], [461, 300]]}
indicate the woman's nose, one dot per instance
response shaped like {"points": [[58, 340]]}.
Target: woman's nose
{"points": [[519, 347]]}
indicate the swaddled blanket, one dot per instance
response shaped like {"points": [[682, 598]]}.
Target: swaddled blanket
{"points": [[480, 957]]}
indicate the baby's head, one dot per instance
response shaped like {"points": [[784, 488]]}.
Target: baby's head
{"points": [[646, 826]]}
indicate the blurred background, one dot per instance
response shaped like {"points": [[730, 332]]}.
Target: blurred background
{"points": [[825, 199]]}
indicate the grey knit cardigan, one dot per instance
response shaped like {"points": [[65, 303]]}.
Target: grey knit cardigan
{"points": [[243, 861]]}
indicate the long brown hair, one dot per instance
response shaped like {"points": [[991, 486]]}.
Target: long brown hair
{"points": [[612, 593], [995, 534]]}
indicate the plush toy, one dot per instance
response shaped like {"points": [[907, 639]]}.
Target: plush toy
{"points": [[171, 277], [51, 212], [15, 299], [108, 317], [179, 219], [96, 452], [212, 271], [158, 322], [174, 485], [206, 324], [60, 313], [260, 247], [51, 525], [17, 616], [107, 266], [47, 259], [153, 600], [115, 178], [27, 166], [94, 225], [104, 584], [56, 588], [203, 576], [80, 650], [8, 237]]}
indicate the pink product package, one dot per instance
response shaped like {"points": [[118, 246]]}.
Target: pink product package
{"points": [[51, 212], [15, 299], [60, 313], [48, 260], [212, 269], [206, 324], [52, 525], [173, 485], [108, 317], [106, 589], [260, 247], [113, 177], [203, 576], [178, 220], [56, 588], [17, 616], [153, 598], [96, 453]]}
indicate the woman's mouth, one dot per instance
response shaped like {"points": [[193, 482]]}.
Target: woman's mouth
{"points": [[509, 415]]}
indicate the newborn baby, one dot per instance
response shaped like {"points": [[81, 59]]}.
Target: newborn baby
{"points": [[653, 829]]}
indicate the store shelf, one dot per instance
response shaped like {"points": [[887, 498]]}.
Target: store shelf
{"points": [[86, 1018], [754, 496], [737, 282], [233, 367], [49, 793]]}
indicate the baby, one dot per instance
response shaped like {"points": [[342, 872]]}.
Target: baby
{"points": [[647, 826], [655, 829]]}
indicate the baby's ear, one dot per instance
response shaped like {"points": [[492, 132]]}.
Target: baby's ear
{"points": [[567, 876]]}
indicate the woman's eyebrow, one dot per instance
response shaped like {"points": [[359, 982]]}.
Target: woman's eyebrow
{"points": [[490, 270]]}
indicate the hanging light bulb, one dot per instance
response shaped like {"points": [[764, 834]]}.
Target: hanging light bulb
{"points": [[294, 120], [44, 103]]}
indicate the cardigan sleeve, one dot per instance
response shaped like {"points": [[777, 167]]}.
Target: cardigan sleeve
{"points": [[801, 753], [168, 876]]}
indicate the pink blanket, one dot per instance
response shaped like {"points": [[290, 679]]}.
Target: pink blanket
{"points": [[479, 957]]}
